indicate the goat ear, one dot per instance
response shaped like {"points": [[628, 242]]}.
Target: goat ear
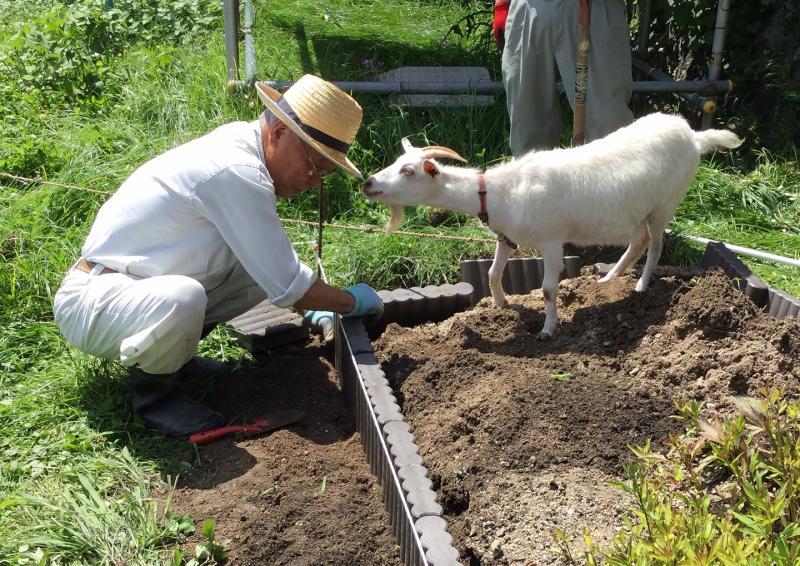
{"points": [[430, 168], [406, 145], [433, 151]]}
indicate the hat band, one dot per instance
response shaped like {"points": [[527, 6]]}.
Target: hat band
{"points": [[313, 132]]}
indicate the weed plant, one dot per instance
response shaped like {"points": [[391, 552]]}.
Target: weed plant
{"points": [[725, 492]]}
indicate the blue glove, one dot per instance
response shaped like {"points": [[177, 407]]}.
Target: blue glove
{"points": [[320, 321], [367, 301]]}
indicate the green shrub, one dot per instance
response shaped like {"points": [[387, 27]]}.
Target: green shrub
{"points": [[724, 492], [761, 37], [65, 57]]}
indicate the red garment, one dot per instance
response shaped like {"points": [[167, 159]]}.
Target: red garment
{"points": [[499, 23]]}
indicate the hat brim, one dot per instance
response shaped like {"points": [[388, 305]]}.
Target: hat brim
{"points": [[269, 96]]}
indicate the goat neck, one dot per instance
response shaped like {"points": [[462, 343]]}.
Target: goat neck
{"points": [[457, 190]]}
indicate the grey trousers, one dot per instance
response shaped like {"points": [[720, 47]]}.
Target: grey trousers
{"points": [[155, 323], [542, 39]]}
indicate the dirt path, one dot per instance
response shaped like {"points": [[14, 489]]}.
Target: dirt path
{"points": [[266, 493], [523, 436]]}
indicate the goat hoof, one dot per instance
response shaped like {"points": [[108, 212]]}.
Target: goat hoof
{"points": [[605, 279], [501, 303], [543, 335], [640, 287]]}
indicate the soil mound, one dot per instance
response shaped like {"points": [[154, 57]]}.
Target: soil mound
{"points": [[524, 435], [713, 306]]}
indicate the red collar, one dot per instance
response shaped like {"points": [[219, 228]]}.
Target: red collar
{"points": [[484, 213]]}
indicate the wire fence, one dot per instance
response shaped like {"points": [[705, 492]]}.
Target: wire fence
{"points": [[365, 229]]}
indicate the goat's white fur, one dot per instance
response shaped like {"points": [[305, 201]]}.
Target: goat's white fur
{"points": [[622, 189]]}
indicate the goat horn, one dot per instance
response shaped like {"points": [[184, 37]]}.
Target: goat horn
{"points": [[440, 151]]}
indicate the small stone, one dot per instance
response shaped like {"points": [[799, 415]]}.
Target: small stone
{"points": [[495, 547]]}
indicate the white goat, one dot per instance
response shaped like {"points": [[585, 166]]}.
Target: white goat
{"points": [[622, 189]]}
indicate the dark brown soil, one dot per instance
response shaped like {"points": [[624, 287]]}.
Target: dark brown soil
{"points": [[523, 436], [266, 494]]}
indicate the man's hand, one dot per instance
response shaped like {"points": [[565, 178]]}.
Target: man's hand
{"points": [[368, 302], [320, 321], [499, 22]]}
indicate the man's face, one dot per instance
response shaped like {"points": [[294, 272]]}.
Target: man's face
{"points": [[294, 166]]}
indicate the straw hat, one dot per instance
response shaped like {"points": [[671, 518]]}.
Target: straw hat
{"points": [[321, 114]]}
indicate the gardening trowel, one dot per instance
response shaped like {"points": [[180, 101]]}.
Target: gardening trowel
{"points": [[275, 420]]}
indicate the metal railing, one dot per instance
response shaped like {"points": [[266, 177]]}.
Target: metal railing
{"points": [[701, 94]]}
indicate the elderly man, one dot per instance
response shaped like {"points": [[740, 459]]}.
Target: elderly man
{"points": [[192, 238]]}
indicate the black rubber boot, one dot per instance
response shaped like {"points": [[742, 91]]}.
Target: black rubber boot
{"points": [[160, 403], [204, 368]]}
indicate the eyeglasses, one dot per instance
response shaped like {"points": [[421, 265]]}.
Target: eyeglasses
{"points": [[317, 171]]}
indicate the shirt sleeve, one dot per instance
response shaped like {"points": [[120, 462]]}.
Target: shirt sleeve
{"points": [[240, 202]]}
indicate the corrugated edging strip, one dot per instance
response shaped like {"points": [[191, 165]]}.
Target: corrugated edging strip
{"points": [[266, 326], [779, 304], [416, 518], [520, 276], [434, 303], [391, 450]]}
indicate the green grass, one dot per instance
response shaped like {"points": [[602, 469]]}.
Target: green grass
{"points": [[759, 209], [79, 476]]}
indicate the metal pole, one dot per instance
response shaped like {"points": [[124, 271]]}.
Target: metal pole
{"points": [[700, 99], [489, 87], [745, 251], [581, 73], [249, 43], [230, 10], [644, 27], [717, 50]]}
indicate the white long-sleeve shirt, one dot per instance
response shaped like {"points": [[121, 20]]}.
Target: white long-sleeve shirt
{"points": [[198, 210]]}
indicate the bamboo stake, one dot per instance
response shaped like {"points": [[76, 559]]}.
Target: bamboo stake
{"points": [[582, 73]]}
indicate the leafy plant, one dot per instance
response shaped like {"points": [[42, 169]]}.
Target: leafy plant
{"points": [[208, 552], [725, 492]]}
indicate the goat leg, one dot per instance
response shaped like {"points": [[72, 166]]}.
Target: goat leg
{"points": [[639, 240], [553, 255], [653, 254], [501, 253]]}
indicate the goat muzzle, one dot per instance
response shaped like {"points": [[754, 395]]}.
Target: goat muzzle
{"points": [[368, 186]]}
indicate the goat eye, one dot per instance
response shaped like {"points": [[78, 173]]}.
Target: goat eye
{"points": [[407, 171]]}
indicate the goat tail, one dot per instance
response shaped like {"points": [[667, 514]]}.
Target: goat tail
{"points": [[709, 140]]}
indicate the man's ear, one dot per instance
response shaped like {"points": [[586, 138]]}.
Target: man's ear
{"points": [[430, 168], [277, 131]]}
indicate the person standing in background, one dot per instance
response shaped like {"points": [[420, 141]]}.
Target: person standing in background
{"points": [[539, 42]]}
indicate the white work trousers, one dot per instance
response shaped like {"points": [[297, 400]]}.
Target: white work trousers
{"points": [[154, 323], [542, 39]]}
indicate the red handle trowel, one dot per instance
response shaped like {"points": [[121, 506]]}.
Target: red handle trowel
{"points": [[277, 419]]}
